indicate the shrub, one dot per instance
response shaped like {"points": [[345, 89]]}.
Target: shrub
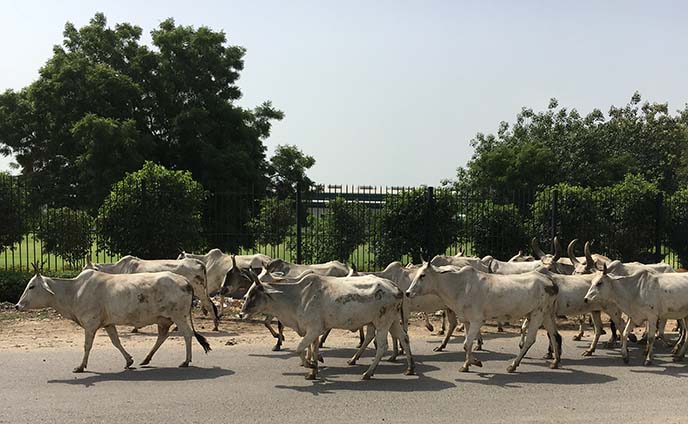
{"points": [[274, 221], [67, 233], [336, 233], [496, 230], [676, 223], [12, 283], [12, 206], [631, 209], [412, 223], [151, 213], [578, 214]]}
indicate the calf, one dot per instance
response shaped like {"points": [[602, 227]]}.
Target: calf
{"points": [[96, 300]]}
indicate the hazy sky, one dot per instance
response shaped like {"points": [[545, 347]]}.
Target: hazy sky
{"points": [[392, 92]]}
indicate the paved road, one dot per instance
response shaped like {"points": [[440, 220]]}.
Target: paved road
{"points": [[248, 383]]}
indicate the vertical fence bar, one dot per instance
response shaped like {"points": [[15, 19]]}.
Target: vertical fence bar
{"points": [[299, 253], [658, 226], [555, 201]]}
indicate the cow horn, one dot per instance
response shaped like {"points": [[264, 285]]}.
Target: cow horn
{"points": [[536, 249], [604, 269], [234, 261], [35, 268], [557, 249], [571, 252], [589, 261], [461, 252]]}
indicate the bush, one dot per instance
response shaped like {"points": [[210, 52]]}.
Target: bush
{"points": [[151, 213], [66, 233], [336, 233], [631, 208], [274, 221], [497, 230], [12, 206], [676, 222], [578, 214], [412, 224], [13, 283]]}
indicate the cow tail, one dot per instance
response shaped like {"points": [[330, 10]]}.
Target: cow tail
{"points": [[201, 339]]}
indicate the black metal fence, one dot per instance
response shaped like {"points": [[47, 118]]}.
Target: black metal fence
{"points": [[370, 226]]}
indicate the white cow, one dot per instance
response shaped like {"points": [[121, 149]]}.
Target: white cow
{"points": [[317, 303], [288, 269], [218, 264], [643, 296], [193, 270], [96, 300], [476, 296]]}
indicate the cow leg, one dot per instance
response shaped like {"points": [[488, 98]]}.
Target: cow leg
{"points": [[500, 326], [524, 330], [306, 341], [550, 325], [381, 340], [597, 324], [222, 305], [89, 334], [395, 349], [163, 332], [428, 324], [114, 338], [135, 330], [361, 337], [398, 332], [581, 328], [652, 328], [453, 322], [369, 336], [324, 337], [624, 340], [472, 330], [531, 333], [188, 333], [210, 306], [315, 355], [278, 335], [616, 321], [443, 329], [679, 350]]}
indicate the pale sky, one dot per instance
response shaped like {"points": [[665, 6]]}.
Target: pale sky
{"points": [[391, 92]]}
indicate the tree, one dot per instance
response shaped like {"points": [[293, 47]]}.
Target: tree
{"points": [[559, 145], [496, 230], [289, 165], [104, 103], [66, 233], [274, 221], [151, 213], [676, 224]]}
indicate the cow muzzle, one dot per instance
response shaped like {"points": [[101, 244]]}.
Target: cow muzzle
{"points": [[585, 300], [409, 294], [18, 307]]}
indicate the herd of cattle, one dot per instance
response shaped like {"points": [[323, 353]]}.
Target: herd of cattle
{"points": [[314, 299]]}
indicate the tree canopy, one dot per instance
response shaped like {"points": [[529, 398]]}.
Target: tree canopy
{"points": [[104, 103], [559, 145]]}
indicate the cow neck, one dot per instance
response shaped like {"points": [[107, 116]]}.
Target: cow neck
{"points": [[445, 283], [65, 295], [288, 291], [623, 294]]}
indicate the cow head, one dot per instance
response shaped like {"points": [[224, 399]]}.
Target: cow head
{"points": [[600, 287], [520, 257], [90, 265], [256, 298], [277, 265], [424, 281], [37, 294], [235, 280]]}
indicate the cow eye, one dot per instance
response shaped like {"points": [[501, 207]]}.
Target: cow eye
{"points": [[31, 287]]}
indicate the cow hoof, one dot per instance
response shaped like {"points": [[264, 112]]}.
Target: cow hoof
{"points": [[587, 353], [135, 330], [463, 369], [520, 345], [479, 347], [351, 362], [511, 368], [145, 362], [577, 338], [440, 333], [554, 365], [276, 348], [548, 355], [216, 328], [310, 376], [184, 364], [632, 337], [647, 362], [500, 330], [392, 359], [477, 363], [320, 358], [603, 332], [625, 359], [409, 371], [438, 349], [78, 369], [130, 362], [430, 327], [366, 376]]}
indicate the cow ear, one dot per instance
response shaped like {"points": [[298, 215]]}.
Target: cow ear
{"points": [[46, 286], [604, 270]]}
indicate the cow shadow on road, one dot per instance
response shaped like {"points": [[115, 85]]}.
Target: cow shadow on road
{"points": [[148, 374], [519, 379]]}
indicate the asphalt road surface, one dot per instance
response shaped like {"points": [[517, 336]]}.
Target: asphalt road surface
{"points": [[250, 384]]}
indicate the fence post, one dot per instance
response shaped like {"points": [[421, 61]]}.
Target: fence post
{"points": [[555, 202], [429, 217], [299, 256], [658, 226]]}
